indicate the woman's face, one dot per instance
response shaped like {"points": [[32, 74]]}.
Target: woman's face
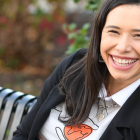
{"points": [[120, 43]]}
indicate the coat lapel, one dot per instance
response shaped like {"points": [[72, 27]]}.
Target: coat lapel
{"points": [[54, 98], [123, 118]]}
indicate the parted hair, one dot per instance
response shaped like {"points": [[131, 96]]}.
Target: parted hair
{"points": [[83, 80]]}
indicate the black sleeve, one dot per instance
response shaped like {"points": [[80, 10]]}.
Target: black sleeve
{"points": [[24, 128]]}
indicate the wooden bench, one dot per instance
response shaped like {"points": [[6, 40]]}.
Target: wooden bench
{"points": [[14, 105]]}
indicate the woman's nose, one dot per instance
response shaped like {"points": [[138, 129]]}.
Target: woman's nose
{"points": [[124, 45]]}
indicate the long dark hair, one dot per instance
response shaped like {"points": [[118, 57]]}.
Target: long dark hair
{"points": [[83, 80]]}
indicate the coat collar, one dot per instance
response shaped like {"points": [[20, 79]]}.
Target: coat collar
{"points": [[124, 117], [128, 111]]}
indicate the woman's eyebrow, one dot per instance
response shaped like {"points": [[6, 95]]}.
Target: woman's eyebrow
{"points": [[116, 27], [112, 26], [136, 30]]}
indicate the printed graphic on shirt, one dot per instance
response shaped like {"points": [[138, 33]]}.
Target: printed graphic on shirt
{"points": [[80, 132], [75, 132]]}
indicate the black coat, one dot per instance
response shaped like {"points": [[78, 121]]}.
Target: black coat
{"points": [[124, 126]]}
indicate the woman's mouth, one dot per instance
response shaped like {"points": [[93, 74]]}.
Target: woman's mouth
{"points": [[122, 63]]}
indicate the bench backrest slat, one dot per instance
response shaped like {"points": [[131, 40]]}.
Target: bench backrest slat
{"points": [[19, 113], [7, 112], [3, 94]]}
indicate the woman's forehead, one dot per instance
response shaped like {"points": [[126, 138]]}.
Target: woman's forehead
{"points": [[124, 14]]}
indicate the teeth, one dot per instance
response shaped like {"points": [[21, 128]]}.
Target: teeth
{"points": [[123, 62], [120, 61]]}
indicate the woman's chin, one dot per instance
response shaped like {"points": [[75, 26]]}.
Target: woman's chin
{"points": [[120, 77]]}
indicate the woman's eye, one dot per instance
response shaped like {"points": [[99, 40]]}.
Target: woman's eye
{"points": [[137, 35], [113, 31]]}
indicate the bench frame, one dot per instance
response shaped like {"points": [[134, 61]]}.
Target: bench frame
{"points": [[14, 105]]}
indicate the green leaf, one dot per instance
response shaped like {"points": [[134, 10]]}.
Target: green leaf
{"points": [[76, 1], [71, 49], [83, 31], [72, 26], [72, 35], [86, 26], [93, 5]]}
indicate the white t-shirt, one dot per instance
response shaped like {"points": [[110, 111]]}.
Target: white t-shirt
{"points": [[91, 129]]}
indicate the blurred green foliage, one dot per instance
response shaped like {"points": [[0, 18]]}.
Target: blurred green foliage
{"points": [[79, 38], [91, 4]]}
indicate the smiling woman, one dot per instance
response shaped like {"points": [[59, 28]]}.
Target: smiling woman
{"points": [[122, 53], [94, 93]]}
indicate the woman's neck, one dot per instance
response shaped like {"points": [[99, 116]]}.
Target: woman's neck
{"points": [[113, 86]]}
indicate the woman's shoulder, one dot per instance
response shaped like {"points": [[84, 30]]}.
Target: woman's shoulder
{"points": [[81, 53], [78, 55]]}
